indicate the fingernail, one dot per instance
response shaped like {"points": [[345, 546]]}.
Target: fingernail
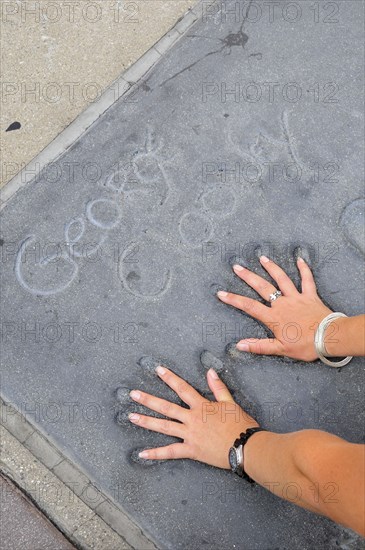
{"points": [[133, 417], [160, 370], [242, 346], [213, 374], [299, 259], [264, 259], [237, 267], [135, 394], [143, 454], [222, 293]]}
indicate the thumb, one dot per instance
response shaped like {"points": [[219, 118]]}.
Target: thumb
{"points": [[219, 389], [264, 346]]}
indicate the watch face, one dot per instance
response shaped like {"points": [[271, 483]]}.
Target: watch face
{"points": [[232, 456]]}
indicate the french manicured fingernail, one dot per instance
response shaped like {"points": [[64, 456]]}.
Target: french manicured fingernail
{"points": [[264, 259], [133, 417], [299, 259], [237, 267], [213, 374], [135, 394], [160, 370], [143, 454], [222, 294], [242, 346]]}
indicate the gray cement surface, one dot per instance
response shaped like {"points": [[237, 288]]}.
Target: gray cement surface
{"points": [[23, 526], [246, 138]]}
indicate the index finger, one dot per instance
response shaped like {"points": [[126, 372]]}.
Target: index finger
{"points": [[248, 305], [186, 392]]}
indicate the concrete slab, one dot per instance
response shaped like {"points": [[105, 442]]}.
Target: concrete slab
{"points": [[58, 57], [246, 138]]}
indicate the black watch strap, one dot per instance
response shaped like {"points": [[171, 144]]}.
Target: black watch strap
{"points": [[242, 440]]}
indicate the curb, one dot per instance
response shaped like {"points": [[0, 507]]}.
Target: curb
{"points": [[120, 87], [65, 494]]}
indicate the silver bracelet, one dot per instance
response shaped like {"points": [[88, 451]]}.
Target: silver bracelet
{"points": [[319, 341]]}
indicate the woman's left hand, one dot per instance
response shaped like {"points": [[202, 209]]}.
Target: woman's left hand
{"points": [[208, 429]]}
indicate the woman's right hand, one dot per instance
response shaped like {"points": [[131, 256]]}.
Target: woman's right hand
{"points": [[293, 318]]}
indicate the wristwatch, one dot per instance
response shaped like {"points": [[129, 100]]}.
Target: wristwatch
{"points": [[235, 454]]}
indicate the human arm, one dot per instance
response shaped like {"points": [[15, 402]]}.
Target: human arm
{"points": [[294, 317], [311, 461], [313, 469]]}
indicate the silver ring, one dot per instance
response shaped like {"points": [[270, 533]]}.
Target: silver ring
{"points": [[275, 296]]}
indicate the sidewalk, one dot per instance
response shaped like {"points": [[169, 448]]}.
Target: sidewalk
{"points": [[240, 133]]}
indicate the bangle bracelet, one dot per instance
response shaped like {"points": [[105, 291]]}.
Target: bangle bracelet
{"points": [[320, 345]]}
